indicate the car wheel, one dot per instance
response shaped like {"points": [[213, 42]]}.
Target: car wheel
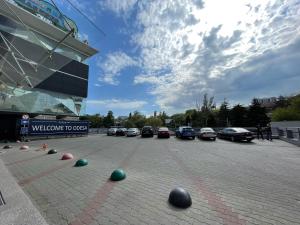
{"points": [[214, 139], [232, 139], [193, 138]]}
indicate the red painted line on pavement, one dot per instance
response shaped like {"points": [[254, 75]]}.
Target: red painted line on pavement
{"points": [[25, 160], [89, 213], [216, 202], [42, 174], [28, 180]]}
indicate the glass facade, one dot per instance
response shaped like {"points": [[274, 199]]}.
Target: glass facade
{"points": [[37, 101], [47, 12], [36, 82]]}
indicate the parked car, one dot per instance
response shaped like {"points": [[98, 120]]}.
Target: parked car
{"points": [[111, 131], [207, 133], [131, 132], [185, 132], [121, 132], [147, 131], [163, 132], [236, 134]]}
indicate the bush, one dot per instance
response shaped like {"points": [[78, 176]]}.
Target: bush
{"points": [[289, 114]]}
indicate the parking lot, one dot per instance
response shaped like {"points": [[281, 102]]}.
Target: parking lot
{"points": [[230, 183]]}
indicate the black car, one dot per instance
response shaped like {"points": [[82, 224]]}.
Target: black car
{"points": [[147, 131], [236, 134], [121, 132]]}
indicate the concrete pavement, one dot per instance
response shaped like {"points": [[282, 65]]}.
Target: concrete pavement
{"points": [[230, 183]]}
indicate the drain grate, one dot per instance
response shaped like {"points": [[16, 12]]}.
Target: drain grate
{"points": [[2, 201]]}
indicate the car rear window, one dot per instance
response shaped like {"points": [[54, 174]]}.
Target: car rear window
{"points": [[187, 129]]}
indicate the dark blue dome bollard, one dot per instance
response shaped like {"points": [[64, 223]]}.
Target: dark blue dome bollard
{"points": [[180, 198]]}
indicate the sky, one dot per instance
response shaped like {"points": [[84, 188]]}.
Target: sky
{"points": [[163, 55]]}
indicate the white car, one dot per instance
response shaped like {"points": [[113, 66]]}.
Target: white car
{"points": [[131, 132], [111, 131], [207, 133]]}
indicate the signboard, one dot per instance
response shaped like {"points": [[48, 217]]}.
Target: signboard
{"points": [[57, 127], [24, 122]]}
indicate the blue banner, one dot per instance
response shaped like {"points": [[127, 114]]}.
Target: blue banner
{"points": [[57, 127]]}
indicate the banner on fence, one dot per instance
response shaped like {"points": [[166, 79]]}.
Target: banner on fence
{"points": [[57, 127]]}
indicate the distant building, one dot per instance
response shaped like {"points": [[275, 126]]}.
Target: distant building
{"points": [[268, 102]]}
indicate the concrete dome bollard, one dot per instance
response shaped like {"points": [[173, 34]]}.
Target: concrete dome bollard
{"points": [[180, 198], [7, 147], [24, 147], [81, 162], [118, 175], [67, 156], [52, 151]]}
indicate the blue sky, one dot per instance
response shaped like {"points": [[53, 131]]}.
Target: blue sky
{"points": [[164, 55]]}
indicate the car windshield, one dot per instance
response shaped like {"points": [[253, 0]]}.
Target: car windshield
{"points": [[240, 130], [207, 130], [163, 129], [187, 129], [132, 129]]}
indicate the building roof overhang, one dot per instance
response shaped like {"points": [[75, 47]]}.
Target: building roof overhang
{"points": [[38, 25]]}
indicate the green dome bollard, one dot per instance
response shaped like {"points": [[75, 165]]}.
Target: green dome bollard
{"points": [[118, 175], [52, 151], [81, 162]]}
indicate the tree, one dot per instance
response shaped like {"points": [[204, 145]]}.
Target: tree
{"points": [[129, 124], [178, 119], [282, 102], [138, 119], [206, 110], [257, 114], [223, 114], [109, 119], [289, 113], [154, 122], [163, 116], [238, 116], [96, 120]]}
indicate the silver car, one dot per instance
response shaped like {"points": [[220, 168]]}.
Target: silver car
{"points": [[111, 131], [207, 133], [131, 132]]}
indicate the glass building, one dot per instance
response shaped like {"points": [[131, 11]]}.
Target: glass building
{"points": [[42, 69]]}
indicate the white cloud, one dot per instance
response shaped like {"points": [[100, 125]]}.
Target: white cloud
{"points": [[113, 65], [121, 8], [188, 47], [117, 104]]}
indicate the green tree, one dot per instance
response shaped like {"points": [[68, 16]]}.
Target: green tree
{"points": [[289, 113], [257, 114], [109, 119], [154, 122], [178, 119], [238, 116], [207, 108], [223, 114], [138, 119], [96, 120], [129, 124]]}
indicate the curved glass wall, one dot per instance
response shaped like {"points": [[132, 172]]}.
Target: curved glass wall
{"points": [[14, 99]]}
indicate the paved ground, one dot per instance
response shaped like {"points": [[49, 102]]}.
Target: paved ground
{"points": [[230, 183]]}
